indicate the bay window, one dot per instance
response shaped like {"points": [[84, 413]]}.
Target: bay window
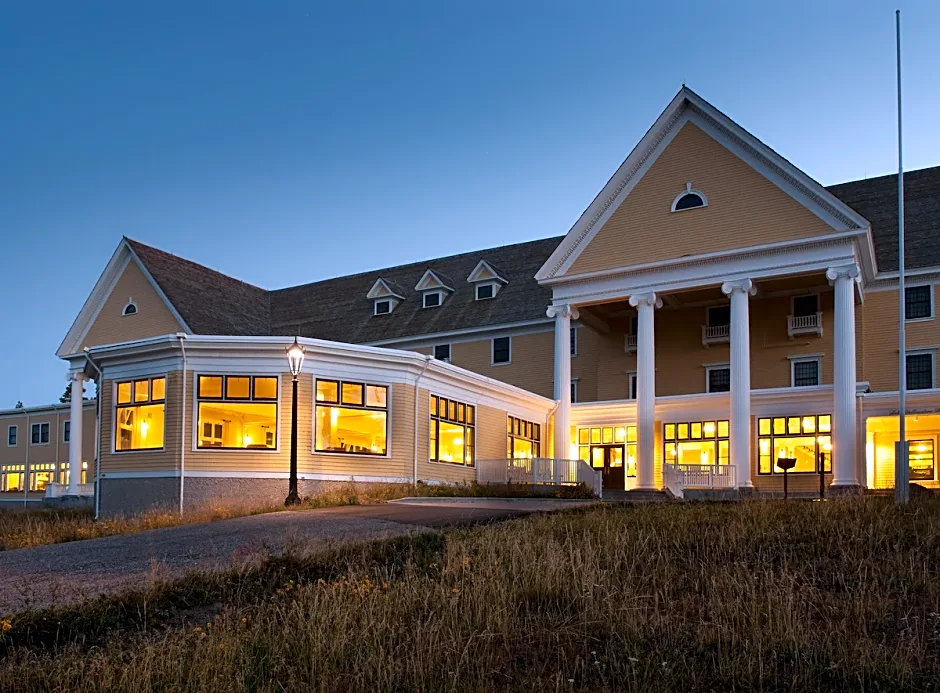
{"points": [[139, 414], [452, 430], [351, 418], [237, 412]]}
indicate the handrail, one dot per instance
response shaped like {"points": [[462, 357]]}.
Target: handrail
{"points": [[539, 471]]}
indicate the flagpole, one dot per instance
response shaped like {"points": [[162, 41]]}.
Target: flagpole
{"points": [[901, 469]]}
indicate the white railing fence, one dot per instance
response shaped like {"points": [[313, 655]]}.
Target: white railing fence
{"points": [[59, 490], [629, 342], [715, 333], [539, 470], [797, 324], [679, 477]]}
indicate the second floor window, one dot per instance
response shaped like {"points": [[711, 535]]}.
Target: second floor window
{"points": [[139, 414], [442, 352], [39, 434], [502, 350], [237, 412], [719, 379], [920, 371], [11, 436], [574, 341], [918, 303], [804, 306], [66, 431], [719, 316], [352, 418], [806, 372]]}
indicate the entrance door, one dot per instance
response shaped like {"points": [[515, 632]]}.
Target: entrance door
{"points": [[610, 459]]}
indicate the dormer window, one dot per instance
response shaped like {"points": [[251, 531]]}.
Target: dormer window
{"points": [[485, 291], [432, 299], [130, 308], [433, 287], [487, 281], [385, 296], [689, 199]]}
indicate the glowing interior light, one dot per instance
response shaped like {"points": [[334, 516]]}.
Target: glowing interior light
{"points": [[708, 429], [247, 441], [334, 416], [458, 441], [143, 429], [921, 448]]}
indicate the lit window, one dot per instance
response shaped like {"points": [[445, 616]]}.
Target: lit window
{"points": [[920, 371], [351, 418], [237, 412], [918, 302], [696, 442], [41, 475], [805, 372], [502, 350], [11, 436], [921, 460], [442, 352], [484, 291], [719, 379], [64, 474], [139, 414], [432, 299], [606, 445], [12, 477], [452, 427], [524, 440], [39, 434], [806, 439]]}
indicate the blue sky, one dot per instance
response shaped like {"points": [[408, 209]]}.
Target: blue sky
{"points": [[285, 142]]}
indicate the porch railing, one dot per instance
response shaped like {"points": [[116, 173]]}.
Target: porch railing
{"points": [[539, 471], [804, 324], [59, 490], [715, 334], [680, 477], [629, 342]]}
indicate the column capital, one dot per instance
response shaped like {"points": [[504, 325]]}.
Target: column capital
{"points": [[649, 299], [77, 376], [564, 310], [850, 271], [745, 286]]}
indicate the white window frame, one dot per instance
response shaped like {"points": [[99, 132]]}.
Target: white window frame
{"points": [[493, 351], [716, 367], [689, 190], [450, 352], [573, 332], [424, 299], [573, 389], [631, 384], [932, 307], [130, 302], [13, 427], [375, 307], [933, 365], [67, 425], [476, 291], [39, 423], [806, 359]]}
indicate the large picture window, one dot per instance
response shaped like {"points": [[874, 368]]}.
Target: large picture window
{"points": [[696, 442], [351, 418], [139, 414], [41, 475], [807, 439], [524, 440], [237, 412], [452, 431], [12, 477]]}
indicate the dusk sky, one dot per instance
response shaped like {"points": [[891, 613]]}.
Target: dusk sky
{"points": [[285, 142]]}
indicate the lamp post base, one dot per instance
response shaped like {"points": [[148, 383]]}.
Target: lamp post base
{"points": [[292, 499]]}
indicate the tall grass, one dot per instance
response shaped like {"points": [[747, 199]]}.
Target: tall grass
{"points": [[750, 596], [35, 527]]}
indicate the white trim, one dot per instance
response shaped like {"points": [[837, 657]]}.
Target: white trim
{"points": [[484, 271], [32, 425], [375, 306], [114, 408], [716, 367], [389, 420], [689, 190], [687, 106], [932, 291], [431, 280], [631, 385], [493, 351], [67, 422], [483, 284], [14, 427], [381, 289], [130, 304], [805, 358], [436, 292], [574, 390], [574, 341], [197, 371], [932, 352], [469, 334]]}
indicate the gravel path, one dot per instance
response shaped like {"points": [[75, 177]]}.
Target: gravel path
{"points": [[62, 574]]}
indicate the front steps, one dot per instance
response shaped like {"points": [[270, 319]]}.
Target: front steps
{"points": [[635, 496]]}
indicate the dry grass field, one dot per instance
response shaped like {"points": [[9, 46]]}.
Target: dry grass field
{"points": [[771, 596]]}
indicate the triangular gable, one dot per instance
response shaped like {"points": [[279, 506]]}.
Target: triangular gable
{"points": [[688, 107], [431, 280], [384, 289], [484, 271], [107, 284]]}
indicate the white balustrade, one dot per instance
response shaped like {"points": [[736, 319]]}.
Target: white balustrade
{"points": [[804, 324], [681, 477], [539, 471], [716, 334]]}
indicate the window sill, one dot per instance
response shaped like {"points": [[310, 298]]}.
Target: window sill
{"points": [[346, 455]]}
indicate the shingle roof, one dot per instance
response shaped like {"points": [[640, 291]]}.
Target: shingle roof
{"points": [[337, 309], [876, 199], [210, 302]]}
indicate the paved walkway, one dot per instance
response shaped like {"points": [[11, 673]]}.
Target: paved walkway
{"points": [[62, 574]]}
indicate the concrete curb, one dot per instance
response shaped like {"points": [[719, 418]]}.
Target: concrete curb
{"points": [[418, 500]]}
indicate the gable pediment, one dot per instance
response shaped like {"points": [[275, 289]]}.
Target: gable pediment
{"points": [[754, 197], [383, 288], [484, 272], [431, 280]]}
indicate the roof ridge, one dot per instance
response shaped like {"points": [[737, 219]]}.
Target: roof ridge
{"points": [[925, 169]]}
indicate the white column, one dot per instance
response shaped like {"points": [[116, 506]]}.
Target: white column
{"points": [[645, 388], [844, 472], [75, 432], [563, 315], [740, 445]]}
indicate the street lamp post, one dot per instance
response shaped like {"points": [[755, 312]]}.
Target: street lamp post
{"points": [[295, 359]]}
